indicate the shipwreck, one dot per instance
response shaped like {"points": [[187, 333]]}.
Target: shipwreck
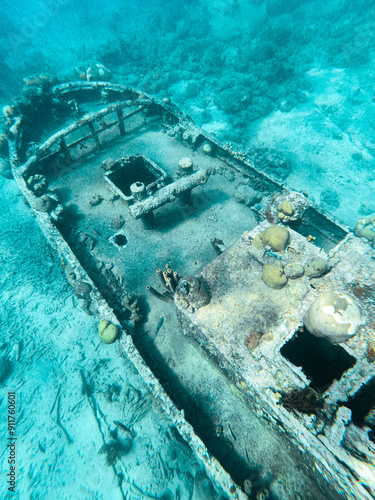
{"points": [[140, 206]]}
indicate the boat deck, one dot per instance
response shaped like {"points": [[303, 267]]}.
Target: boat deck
{"points": [[182, 234]]}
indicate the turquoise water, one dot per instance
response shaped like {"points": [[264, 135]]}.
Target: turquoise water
{"points": [[292, 78]]}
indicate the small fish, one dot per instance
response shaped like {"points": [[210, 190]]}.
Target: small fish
{"points": [[41, 447], [272, 254], [124, 428], [160, 324]]}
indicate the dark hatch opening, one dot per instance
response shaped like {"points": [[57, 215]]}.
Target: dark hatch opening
{"points": [[362, 405], [321, 361], [134, 170]]}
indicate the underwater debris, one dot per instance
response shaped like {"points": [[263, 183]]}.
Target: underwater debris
{"points": [[107, 293], [218, 245], [305, 400], [169, 193], [185, 166]]}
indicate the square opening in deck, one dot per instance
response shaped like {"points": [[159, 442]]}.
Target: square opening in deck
{"points": [[135, 169], [321, 361]]}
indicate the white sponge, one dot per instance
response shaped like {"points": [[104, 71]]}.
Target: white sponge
{"points": [[334, 316]]}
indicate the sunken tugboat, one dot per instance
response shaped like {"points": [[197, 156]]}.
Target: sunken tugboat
{"points": [[273, 296]]}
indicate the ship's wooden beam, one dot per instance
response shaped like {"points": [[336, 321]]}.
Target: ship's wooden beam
{"points": [[169, 193]]}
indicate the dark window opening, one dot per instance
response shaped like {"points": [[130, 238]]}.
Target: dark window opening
{"points": [[120, 240], [321, 361], [362, 405]]}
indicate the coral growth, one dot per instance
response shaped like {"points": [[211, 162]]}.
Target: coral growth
{"points": [[252, 340], [365, 228], [108, 332], [276, 237], [273, 276]]}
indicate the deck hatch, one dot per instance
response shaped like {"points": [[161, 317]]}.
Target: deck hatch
{"points": [[133, 169], [321, 361]]}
